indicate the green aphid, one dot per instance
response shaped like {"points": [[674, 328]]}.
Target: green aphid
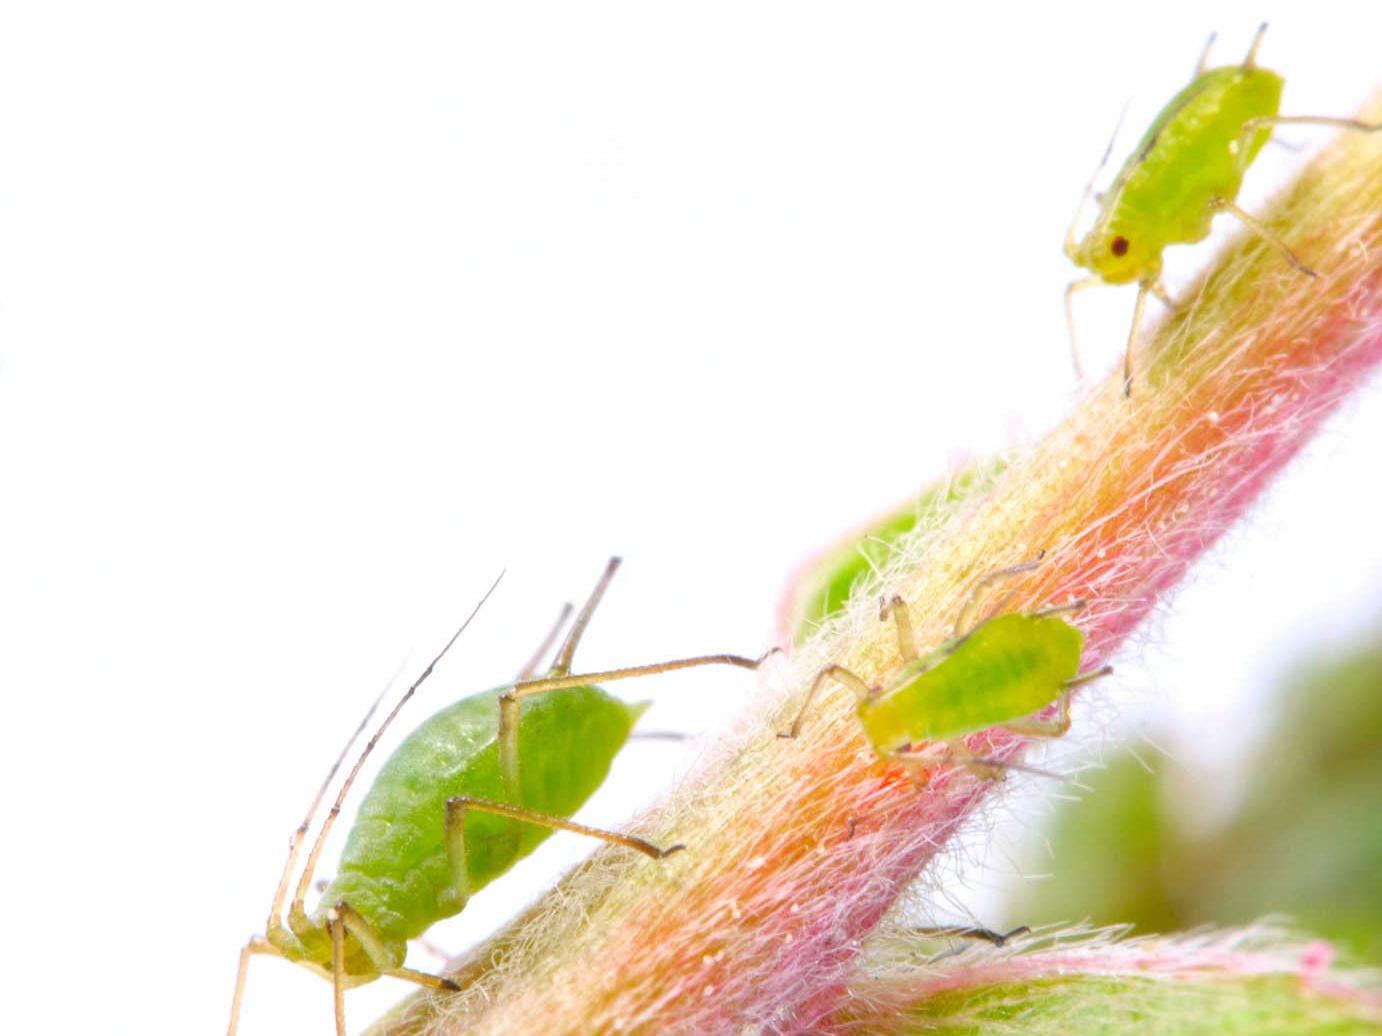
{"points": [[452, 809], [822, 592], [1187, 168], [1000, 672]]}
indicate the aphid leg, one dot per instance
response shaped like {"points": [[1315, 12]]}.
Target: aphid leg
{"points": [[1251, 60], [511, 699], [1143, 289], [1260, 229], [983, 768], [258, 944], [839, 674], [423, 978], [1032, 726], [918, 771], [430, 947], [1075, 605], [562, 663], [455, 829], [1253, 125], [351, 921], [1070, 290], [559, 677], [965, 932], [1203, 63], [336, 927], [919, 763], [963, 625], [990, 768], [896, 607], [343, 919], [1159, 292], [1056, 726], [1243, 148], [531, 666], [659, 735], [1090, 677]]}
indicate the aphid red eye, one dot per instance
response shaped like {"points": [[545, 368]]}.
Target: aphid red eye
{"points": [[1119, 246]]}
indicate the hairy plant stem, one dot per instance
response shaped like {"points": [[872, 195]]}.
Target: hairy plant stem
{"points": [[797, 848]]}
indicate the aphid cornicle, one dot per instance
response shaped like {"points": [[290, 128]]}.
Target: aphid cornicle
{"points": [[998, 673], [1187, 169], [472, 790]]}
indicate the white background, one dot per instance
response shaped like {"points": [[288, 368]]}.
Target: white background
{"points": [[313, 317]]}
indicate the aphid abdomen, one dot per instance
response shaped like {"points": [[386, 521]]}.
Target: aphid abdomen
{"points": [[395, 870], [1008, 668], [1197, 154]]}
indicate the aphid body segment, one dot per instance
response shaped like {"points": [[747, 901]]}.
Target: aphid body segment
{"points": [[1000, 672], [1186, 169], [474, 789]]}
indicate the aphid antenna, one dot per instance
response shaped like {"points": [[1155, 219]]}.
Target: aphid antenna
{"points": [[531, 666], [1088, 192], [306, 880], [296, 838]]}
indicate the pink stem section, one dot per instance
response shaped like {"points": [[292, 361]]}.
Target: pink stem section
{"points": [[901, 989], [796, 848]]}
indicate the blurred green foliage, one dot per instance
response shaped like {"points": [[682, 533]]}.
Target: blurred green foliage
{"points": [[823, 592], [1306, 842], [1243, 1006]]}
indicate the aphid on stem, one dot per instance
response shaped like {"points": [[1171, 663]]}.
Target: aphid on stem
{"points": [[1187, 168], [452, 809], [999, 672]]}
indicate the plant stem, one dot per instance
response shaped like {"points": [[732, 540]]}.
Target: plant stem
{"points": [[797, 848]]}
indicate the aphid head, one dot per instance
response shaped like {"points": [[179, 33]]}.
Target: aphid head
{"points": [[1118, 254], [309, 944]]}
